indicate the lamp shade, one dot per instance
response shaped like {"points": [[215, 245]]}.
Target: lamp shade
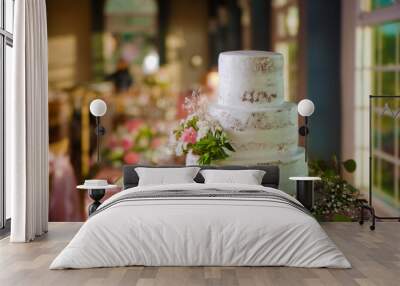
{"points": [[98, 107], [306, 107], [151, 63]]}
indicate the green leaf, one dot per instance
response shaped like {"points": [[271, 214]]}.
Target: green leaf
{"points": [[229, 147], [350, 165], [212, 147], [330, 173]]}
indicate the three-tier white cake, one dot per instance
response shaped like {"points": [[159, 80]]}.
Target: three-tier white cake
{"points": [[263, 127]]}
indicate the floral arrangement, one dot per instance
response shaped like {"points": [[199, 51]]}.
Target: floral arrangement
{"points": [[336, 199], [133, 142], [200, 134]]}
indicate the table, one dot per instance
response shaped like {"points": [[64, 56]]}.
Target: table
{"points": [[96, 193], [305, 190]]}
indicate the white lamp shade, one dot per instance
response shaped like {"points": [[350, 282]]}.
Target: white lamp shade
{"points": [[98, 107], [306, 107], [151, 63]]}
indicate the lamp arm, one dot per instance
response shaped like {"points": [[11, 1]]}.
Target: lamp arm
{"points": [[305, 138], [98, 138]]}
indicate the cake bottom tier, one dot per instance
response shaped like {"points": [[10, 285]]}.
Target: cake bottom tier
{"points": [[290, 165]]}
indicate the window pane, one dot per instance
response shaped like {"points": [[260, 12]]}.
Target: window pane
{"points": [[387, 174], [375, 174], [375, 78], [8, 86], [388, 83], [376, 4], [387, 133], [1, 15], [2, 219], [398, 83], [388, 38], [371, 5], [9, 13]]}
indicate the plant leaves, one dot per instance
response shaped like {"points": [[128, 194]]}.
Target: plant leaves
{"points": [[350, 165], [229, 147]]}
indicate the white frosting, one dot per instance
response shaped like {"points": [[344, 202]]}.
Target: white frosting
{"points": [[262, 128], [274, 142], [250, 78], [271, 131], [266, 118]]}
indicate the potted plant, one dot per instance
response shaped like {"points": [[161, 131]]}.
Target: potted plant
{"points": [[336, 199]]}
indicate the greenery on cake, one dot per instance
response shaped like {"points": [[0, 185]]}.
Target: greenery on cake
{"points": [[335, 198], [199, 134]]}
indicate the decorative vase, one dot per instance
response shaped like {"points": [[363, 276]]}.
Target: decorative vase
{"points": [[192, 159]]}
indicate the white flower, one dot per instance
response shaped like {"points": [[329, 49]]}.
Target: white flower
{"points": [[203, 124], [204, 127], [201, 133]]}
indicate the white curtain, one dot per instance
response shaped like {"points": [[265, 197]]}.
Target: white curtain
{"points": [[27, 124]]}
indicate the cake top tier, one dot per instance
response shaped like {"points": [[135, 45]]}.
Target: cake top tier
{"points": [[250, 79], [248, 53]]}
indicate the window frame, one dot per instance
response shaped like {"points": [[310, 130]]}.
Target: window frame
{"points": [[6, 39], [355, 102]]}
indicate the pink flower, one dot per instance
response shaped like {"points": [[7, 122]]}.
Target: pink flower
{"points": [[189, 135], [113, 142], [127, 143], [156, 142], [133, 124], [131, 158]]}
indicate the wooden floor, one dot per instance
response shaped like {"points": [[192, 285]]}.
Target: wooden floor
{"points": [[375, 257]]}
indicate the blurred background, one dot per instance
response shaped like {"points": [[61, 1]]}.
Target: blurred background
{"points": [[143, 57]]}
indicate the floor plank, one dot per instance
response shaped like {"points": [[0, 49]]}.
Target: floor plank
{"points": [[375, 257]]}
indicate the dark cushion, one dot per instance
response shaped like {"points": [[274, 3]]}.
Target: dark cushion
{"points": [[270, 179]]}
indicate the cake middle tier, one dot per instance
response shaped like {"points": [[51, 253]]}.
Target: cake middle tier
{"points": [[267, 118], [270, 130]]}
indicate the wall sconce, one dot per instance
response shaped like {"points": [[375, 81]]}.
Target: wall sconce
{"points": [[305, 108], [98, 108]]}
